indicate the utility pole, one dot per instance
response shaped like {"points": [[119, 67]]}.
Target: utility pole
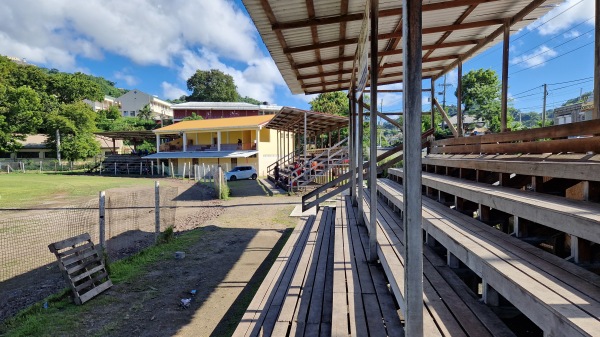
{"points": [[544, 105], [445, 85]]}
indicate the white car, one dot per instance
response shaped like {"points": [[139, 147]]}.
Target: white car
{"points": [[241, 172]]}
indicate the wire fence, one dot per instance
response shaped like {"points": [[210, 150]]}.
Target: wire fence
{"points": [[28, 270], [44, 165]]}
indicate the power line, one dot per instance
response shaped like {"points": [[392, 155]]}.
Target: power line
{"points": [[552, 18], [544, 52], [522, 92], [581, 79], [553, 58], [555, 36]]}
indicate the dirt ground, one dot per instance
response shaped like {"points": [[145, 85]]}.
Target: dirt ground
{"points": [[237, 235]]}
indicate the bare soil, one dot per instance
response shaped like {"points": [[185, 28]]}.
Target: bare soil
{"points": [[237, 236]]}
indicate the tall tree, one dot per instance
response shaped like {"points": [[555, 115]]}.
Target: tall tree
{"points": [[20, 115], [481, 96], [75, 122], [212, 86], [335, 103], [71, 88], [145, 113]]}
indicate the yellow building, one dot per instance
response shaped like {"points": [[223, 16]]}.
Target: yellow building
{"points": [[225, 141]]}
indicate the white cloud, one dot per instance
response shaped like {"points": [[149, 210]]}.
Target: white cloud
{"points": [[179, 34], [124, 75], [575, 11], [571, 34], [535, 58], [170, 91]]}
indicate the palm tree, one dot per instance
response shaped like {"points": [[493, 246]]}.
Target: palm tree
{"points": [[145, 112]]}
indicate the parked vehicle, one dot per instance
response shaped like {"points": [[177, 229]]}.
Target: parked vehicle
{"points": [[241, 172]]}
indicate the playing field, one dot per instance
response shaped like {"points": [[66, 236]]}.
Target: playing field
{"points": [[20, 190]]}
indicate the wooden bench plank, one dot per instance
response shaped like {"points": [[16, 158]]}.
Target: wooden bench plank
{"points": [[340, 321], [509, 276], [279, 274]]}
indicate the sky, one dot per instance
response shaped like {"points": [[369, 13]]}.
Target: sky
{"points": [[156, 45]]}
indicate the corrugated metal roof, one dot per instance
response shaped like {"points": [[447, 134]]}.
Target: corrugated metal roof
{"points": [[216, 124], [315, 53], [216, 105]]}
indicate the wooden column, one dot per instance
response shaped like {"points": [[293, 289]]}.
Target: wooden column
{"points": [[596, 112], [413, 275], [360, 159], [505, 46], [459, 115], [373, 126], [351, 152], [432, 105]]}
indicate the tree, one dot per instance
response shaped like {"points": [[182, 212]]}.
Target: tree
{"points": [[481, 96], [145, 113], [212, 86], [335, 103], [76, 123], [20, 115], [193, 117], [71, 88], [250, 100]]}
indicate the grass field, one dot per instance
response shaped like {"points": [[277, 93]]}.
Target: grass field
{"points": [[19, 190]]}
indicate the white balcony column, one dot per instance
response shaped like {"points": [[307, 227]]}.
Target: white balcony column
{"points": [[184, 142], [257, 138], [218, 140], [157, 143]]}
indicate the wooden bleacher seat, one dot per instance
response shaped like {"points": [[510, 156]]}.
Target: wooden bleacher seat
{"points": [[450, 309], [557, 300]]}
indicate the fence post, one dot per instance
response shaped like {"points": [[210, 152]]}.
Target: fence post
{"points": [[162, 166], [172, 172], [127, 168], [141, 168], [102, 220], [40, 166], [115, 168], [218, 178], [152, 170], [156, 210]]}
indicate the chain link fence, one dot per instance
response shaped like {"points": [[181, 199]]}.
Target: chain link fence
{"points": [[45, 165], [28, 270]]}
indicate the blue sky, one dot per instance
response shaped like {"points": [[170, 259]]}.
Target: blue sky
{"points": [[157, 51]]}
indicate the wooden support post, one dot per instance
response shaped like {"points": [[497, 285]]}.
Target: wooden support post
{"points": [[373, 130], [432, 105], [430, 240], [445, 116], [156, 210], [520, 227], [504, 179], [596, 112], [490, 295], [458, 204], [102, 221], [452, 261], [504, 97], [351, 145], [412, 25], [484, 213], [360, 159], [537, 183], [459, 115]]}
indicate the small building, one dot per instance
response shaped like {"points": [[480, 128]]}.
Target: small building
{"points": [[35, 147], [209, 110], [135, 100], [104, 105], [224, 141], [572, 113]]}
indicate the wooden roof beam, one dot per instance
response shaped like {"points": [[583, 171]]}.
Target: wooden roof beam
{"points": [[276, 26]]}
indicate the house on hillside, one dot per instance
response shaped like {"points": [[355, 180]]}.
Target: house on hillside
{"points": [[135, 100], [34, 147], [209, 110], [104, 105], [224, 141], [577, 112]]}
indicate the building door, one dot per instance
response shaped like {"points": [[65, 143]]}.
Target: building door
{"points": [[233, 162]]}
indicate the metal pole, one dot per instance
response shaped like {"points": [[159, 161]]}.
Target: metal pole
{"points": [[58, 147], [413, 238], [373, 129], [596, 111], [544, 105], [459, 113], [360, 159], [156, 210], [505, 47], [101, 220]]}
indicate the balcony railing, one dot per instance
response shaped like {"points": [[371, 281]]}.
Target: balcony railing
{"points": [[207, 147]]}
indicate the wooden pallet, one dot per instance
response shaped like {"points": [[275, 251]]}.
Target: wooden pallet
{"points": [[83, 267]]}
